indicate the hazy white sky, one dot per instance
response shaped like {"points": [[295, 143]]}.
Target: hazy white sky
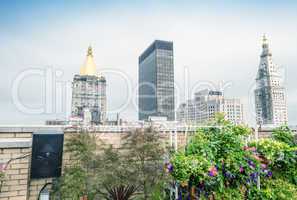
{"points": [[214, 43]]}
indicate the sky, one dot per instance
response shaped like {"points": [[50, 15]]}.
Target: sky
{"points": [[216, 44]]}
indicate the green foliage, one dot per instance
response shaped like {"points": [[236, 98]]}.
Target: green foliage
{"points": [[2, 178], [191, 165], [100, 171], [219, 119], [214, 159], [72, 185], [158, 192], [78, 179], [92, 169], [230, 194], [218, 163], [81, 147], [144, 154], [274, 189], [285, 135], [111, 169], [271, 149], [282, 158]]}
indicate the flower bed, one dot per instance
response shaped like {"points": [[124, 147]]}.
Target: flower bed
{"points": [[219, 164]]}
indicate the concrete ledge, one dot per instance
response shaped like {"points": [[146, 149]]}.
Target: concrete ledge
{"points": [[15, 143], [27, 128], [91, 129]]}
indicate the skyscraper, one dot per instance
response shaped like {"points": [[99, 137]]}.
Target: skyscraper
{"points": [[206, 104], [270, 97], [156, 81], [89, 92]]}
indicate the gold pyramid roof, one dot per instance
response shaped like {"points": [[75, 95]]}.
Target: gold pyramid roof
{"points": [[89, 67]]}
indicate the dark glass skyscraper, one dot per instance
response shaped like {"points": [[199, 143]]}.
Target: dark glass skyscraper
{"points": [[156, 81]]}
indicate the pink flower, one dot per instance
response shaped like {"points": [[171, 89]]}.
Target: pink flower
{"points": [[252, 149], [263, 166], [3, 167], [212, 171], [257, 158], [241, 169], [246, 148]]}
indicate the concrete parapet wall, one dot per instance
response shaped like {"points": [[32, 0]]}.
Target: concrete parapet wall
{"points": [[15, 152], [17, 142]]}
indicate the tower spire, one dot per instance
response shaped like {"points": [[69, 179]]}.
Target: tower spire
{"points": [[90, 51], [264, 41], [270, 98], [89, 67], [265, 46]]}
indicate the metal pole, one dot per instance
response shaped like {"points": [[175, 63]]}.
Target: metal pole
{"points": [[175, 150], [171, 139], [175, 139], [186, 134], [257, 140]]}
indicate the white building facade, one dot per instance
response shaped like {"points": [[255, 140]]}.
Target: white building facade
{"points": [[206, 104], [89, 93], [270, 97]]}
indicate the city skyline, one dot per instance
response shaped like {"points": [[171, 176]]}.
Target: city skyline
{"points": [[213, 51]]}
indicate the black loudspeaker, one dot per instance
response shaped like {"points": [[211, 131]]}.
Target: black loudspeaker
{"points": [[47, 153]]}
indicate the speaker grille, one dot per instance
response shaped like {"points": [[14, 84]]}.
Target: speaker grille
{"points": [[47, 153]]}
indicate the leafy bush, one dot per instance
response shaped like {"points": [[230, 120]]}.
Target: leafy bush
{"points": [[274, 189], [98, 171], [72, 185], [217, 163], [282, 158], [285, 135]]}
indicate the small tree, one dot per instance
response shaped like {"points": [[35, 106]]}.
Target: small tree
{"points": [[78, 175], [144, 154], [94, 171], [113, 177]]}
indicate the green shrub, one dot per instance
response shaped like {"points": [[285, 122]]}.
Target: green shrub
{"points": [[217, 162]]}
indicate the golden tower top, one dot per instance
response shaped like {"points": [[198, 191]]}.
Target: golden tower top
{"points": [[89, 67], [90, 51]]}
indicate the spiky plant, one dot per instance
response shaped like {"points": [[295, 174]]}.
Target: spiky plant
{"points": [[121, 192]]}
